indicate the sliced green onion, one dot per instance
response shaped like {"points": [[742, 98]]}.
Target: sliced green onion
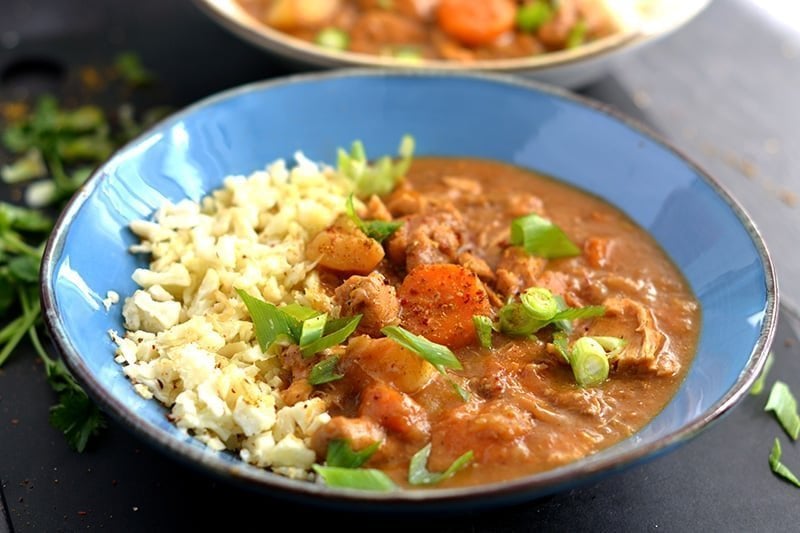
{"points": [[379, 230], [341, 454], [483, 330], [612, 345], [782, 402], [589, 362], [325, 372], [533, 14], [407, 54], [312, 330], [461, 391], [28, 167], [379, 178], [577, 35], [270, 323], [351, 478], [439, 356], [418, 473], [560, 342], [539, 303], [758, 386], [779, 468], [299, 312], [333, 39], [331, 339], [540, 237], [515, 320], [563, 319]]}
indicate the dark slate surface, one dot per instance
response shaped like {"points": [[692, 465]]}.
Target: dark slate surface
{"points": [[721, 89]]}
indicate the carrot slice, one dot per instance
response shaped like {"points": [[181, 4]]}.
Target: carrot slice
{"points": [[476, 22], [438, 302]]}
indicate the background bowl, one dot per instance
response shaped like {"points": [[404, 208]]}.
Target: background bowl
{"points": [[641, 22], [704, 231]]}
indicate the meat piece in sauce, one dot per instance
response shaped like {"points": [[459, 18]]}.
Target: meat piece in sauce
{"points": [[373, 297], [428, 238], [517, 271], [633, 322], [376, 30], [396, 412], [358, 432], [386, 361]]}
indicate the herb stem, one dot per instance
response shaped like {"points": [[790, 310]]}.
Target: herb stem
{"points": [[14, 243], [27, 320]]}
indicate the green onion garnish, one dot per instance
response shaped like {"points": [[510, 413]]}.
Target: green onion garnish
{"points": [[333, 39], [379, 178], [577, 35], [379, 230], [589, 362], [781, 402], [351, 478], [312, 329], [612, 345], [418, 473], [483, 330], [560, 342], [325, 372], [779, 468], [436, 354], [539, 303], [331, 339], [460, 391], [407, 54], [270, 323], [515, 320], [533, 14], [540, 237], [341, 454], [758, 385]]}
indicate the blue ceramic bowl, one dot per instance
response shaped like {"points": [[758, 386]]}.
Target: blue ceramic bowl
{"points": [[704, 231]]}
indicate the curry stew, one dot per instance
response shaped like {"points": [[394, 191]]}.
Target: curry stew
{"points": [[516, 405], [456, 30]]}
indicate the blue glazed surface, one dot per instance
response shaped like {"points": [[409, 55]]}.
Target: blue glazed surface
{"points": [[704, 232]]}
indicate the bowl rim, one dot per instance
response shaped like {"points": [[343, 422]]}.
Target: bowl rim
{"points": [[527, 487], [237, 20]]}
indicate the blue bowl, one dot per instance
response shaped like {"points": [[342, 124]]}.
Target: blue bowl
{"points": [[699, 225]]}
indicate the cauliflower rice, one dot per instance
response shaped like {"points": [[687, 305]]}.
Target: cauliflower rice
{"points": [[189, 340]]}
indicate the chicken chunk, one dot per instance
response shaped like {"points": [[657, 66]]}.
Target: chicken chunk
{"points": [[428, 238], [517, 271], [396, 412], [373, 298]]}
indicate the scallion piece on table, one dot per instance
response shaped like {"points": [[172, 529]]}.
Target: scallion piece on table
{"points": [[379, 230], [436, 354], [533, 14], [418, 473], [540, 237], [483, 330], [341, 454], [325, 371], [758, 385], [589, 362], [355, 478], [331, 339], [781, 401], [779, 468], [333, 39]]}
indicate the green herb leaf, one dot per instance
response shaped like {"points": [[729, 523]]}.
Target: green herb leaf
{"points": [[77, 417], [325, 372], [436, 354], [24, 268], [379, 230], [270, 323], [418, 473], [483, 329], [779, 468], [341, 454], [758, 385], [332, 339], [23, 219], [574, 313], [540, 237], [28, 167], [577, 34], [782, 402], [131, 70], [358, 479]]}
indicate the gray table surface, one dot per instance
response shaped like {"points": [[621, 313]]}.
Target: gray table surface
{"points": [[722, 90]]}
